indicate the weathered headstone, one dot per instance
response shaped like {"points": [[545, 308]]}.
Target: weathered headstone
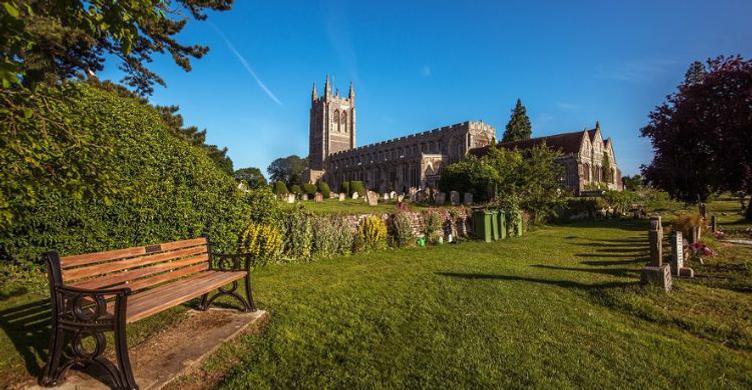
{"points": [[400, 198], [342, 196], [656, 272], [385, 196], [454, 198], [421, 196], [290, 198], [703, 210], [319, 197], [677, 257], [393, 195], [412, 194], [372, 198], [439, 198], [468, 199], [714, 223], [355, 195], [304, 197]]}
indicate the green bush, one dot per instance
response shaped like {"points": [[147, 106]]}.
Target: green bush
{"points": [[324, 189], [171, 189], [359, 187], [309, 189], [433, 223], [263, 242], [331, 237], [280, 188], [621, 201], [344, 188], [371, 234], [298, 230], [402, 231], [295, 189]]}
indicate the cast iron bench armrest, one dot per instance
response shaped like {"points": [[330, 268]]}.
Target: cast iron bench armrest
{"points": [[91, 291], [234, 260]]}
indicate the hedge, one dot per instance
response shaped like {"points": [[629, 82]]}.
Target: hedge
{"points": [[174, 190], [309, 189], [280, 188], [324, 189], [357, 186]]}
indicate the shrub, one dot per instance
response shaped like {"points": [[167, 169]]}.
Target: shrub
{"points": [[357, 186], [344, 188], [168, 189], [371, 234], [309, 189], [402, 230], [433, 225], [295, 189], [515, 218], [621, 201], [263, 242], [298, 234], [324, 189], [280, 188], [331, 237], [581, 208], [686, 223]]}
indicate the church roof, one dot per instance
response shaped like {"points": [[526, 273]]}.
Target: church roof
{"points": [[565, 143]]}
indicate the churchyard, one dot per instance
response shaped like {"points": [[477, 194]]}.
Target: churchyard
{"points": [[560, 306]]}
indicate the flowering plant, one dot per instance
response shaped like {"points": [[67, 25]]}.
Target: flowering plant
{"points": [[697, 250]]}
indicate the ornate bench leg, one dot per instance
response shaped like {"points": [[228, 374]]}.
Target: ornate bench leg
{"points": [[250, 304], [51, 373], [204, 304], [121, 350]]}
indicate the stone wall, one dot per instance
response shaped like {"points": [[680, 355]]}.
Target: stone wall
{"points": [[459, 227]]}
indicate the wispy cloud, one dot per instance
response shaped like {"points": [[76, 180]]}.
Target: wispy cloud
{"points": [[246, 65], [635, 71], [567, 106], [426, 71]]}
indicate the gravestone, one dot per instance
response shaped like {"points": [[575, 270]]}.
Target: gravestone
{"points": [[714, 223], [468, 199], [372, 198], [656, 272], [392, 195], [304, 197], [290, 198], [400, 198], [355, 195], [439, 198], [342, 196], [385, 196], [677, 257], [703, 210], [319, 197], [412, 194], [454, 198], [421, 196]]}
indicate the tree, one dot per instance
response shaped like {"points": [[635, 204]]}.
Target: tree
{"points": [[287, 169], [469, 175], [519, 127], [49, 41], [695, 73], [702, 134], [632, 183], [251, 176], [280, 188], [541, 190]]}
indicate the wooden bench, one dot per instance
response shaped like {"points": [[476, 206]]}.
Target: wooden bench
{"points": [[99, 292]]}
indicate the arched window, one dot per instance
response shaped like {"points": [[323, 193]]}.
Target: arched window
{"points": [[586, 168], [343, 121], [336, 119]]}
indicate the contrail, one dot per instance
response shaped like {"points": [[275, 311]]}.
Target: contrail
{"points": [[246, 65]]}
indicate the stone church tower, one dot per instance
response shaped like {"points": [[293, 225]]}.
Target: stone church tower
{"points": [[331, 129]]}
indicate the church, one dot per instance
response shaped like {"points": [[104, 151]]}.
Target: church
{"points": [[416, 160]]}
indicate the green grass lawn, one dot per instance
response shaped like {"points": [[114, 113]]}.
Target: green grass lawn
{"points": [[559, 307], [354, 206]]}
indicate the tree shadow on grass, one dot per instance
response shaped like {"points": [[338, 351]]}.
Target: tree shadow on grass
{"points": [[28, 327], [620, 272], [560, 283], [606, 263]]}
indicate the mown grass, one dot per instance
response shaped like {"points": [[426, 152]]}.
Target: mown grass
{"points": [[559, 307]]}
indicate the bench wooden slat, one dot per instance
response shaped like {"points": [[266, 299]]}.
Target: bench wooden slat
{"points": [[117, 278], [70, 275], [88, 258], [167, 276], [161, 298]]}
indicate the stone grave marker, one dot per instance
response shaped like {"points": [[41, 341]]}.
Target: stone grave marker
{"points": [[355, 195], [372, 198], [400, 198], [342, 196], [392, 195], [656, 272], [290, 198], [385, 196], [714, 223], [439, 198], [703, 210], [319, 197], [677, 257], [468, 201], [454, 198], [304, 197]]}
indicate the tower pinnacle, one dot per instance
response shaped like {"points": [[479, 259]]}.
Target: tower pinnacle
{"points": [[314, 93], [351, 96], [327, 87]]}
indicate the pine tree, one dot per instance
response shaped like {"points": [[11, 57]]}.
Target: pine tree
{"points": [[519, 127]]}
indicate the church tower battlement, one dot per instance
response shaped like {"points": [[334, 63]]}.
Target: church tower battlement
{"points": [[332, 125]]}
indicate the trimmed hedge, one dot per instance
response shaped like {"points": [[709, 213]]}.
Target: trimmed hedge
{"points": [[357, 186], [324, 189], [280, 188], [173, 189], [295, 189], [309, 189], [344, 188]]}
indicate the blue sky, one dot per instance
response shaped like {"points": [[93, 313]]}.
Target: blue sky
{"points": [[417, 65]]}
